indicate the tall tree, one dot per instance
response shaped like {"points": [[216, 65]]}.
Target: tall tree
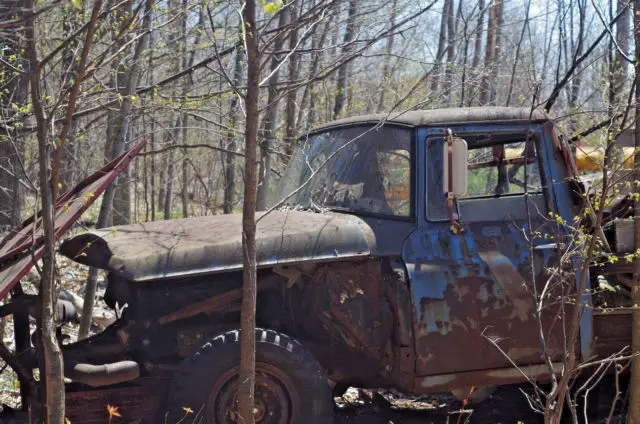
{"points": [[442, 44], [132, 76], [493, 28], [118, 195], [270, 118], [451, 53], [310, 91], [477, 49], [342, 81], [290, 107], [634, 386], [249, 285], [69, 168], [187, 61], [12, 99], [386, 69], [231, 147]]}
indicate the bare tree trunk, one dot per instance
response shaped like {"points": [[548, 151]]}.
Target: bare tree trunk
{"points": [[309, 90], [343, 72], [69, 153], [114, 201], [290, 108], [634, 384], [617, 70], [442, 40], [106, 207], [249, 286], [230, 158], [387, 59], [451, 52], [173, 134], [517, 53], [477, 48], [486, 87], [53, 373], [120, 192], [577, 49], [171, 169], [619, 74], [184, 192], [270, 119], [13, 91], [162, 180], [152, 136], [465, 59], [622, 40]]}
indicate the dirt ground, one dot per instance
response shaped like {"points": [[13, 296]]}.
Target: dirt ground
{"points": [[506, 406]]}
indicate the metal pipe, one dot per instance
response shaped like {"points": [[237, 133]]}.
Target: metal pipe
{"points": [[105, 374]]}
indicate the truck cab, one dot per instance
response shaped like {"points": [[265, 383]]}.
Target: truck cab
{"points": [[404, 250], [469, 265]]}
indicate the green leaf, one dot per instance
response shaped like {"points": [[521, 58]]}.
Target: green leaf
{"points": [[272, 7], [77, 4]]}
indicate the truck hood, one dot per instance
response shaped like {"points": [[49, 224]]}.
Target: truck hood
{"points": [[209, 244]]}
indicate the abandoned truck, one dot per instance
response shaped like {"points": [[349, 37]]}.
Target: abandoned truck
{"points": [[399, 258]]}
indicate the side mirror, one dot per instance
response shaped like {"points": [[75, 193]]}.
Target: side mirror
{"points": [[455, 169]]}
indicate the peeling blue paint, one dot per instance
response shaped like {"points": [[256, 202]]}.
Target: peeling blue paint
{"points": [[445, 269]]}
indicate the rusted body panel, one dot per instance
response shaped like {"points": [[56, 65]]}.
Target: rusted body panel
{"points": [[364, 310], [484, 378], [475, 298], [473, 292]]}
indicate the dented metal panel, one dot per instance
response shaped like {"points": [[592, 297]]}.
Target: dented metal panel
{"points": [[362, 310], [474, 290]]}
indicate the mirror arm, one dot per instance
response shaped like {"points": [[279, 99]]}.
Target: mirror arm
{"points": [[456, 227]]}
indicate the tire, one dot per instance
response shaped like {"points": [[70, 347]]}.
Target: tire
{"points": [[291, 386]]}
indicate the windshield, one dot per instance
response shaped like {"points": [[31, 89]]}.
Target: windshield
{"points": [[359, 169]]}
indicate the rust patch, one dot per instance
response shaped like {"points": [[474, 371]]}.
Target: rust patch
{"points": [[223, 302], [495, 377], [512, 283], [365, 307]]}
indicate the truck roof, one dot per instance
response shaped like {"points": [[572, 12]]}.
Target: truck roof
{"points": [[467, 115]]}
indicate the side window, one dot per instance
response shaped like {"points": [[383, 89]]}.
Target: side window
{"points": [[395, 167], [498, 165], [501, 169], [360, 169]]}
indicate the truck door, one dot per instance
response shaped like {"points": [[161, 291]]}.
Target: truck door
{"points": [[474, 291]]}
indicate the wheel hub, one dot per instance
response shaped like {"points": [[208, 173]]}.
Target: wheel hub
{"points": [[272, 402]]}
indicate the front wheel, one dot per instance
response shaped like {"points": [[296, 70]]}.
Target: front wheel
{"points": [[290, 385]]}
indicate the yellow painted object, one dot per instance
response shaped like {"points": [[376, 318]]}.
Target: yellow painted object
{"points": [[397, 192], [590, 159]]}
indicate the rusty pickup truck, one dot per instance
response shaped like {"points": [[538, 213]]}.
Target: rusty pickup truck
{"points": [[397, 254]]}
